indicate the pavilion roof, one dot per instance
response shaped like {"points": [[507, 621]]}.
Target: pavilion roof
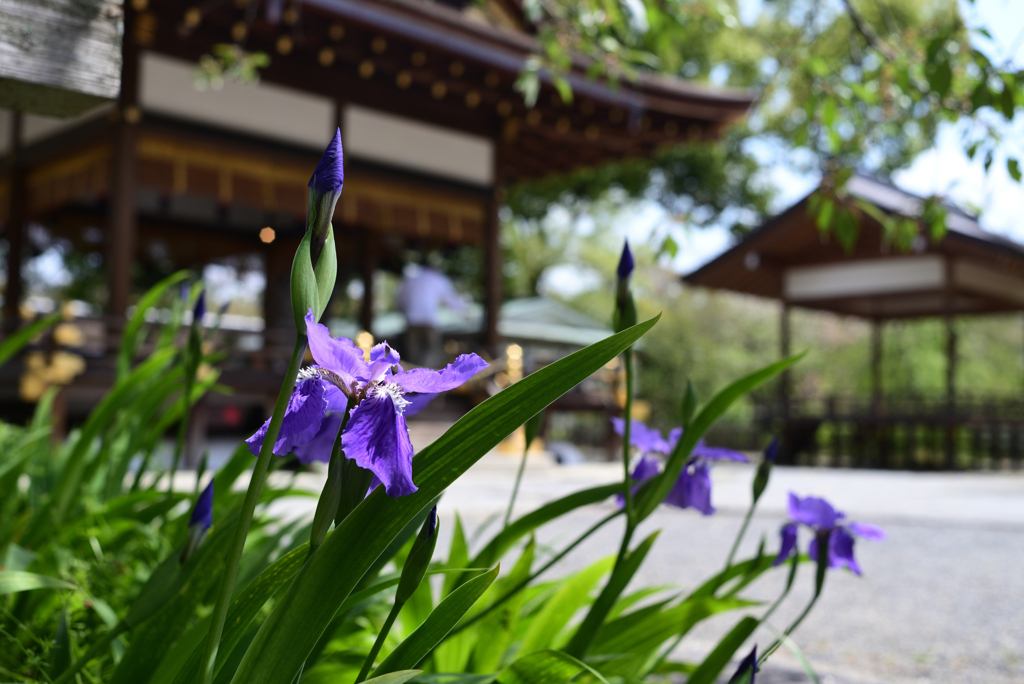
{"points": [[788, 258], [433, 63]]}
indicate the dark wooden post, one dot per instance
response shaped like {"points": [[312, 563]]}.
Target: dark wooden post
{"points": [[492, 270], [784, 351], [14, 229], [876, 367], [950, 390], [122, 228], [950, 421], [369, 266]]}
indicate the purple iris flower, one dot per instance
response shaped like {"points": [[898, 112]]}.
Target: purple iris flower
{"points": [[693, 488], [625, 262], [645, 469], [820, 516], [376, 436]]}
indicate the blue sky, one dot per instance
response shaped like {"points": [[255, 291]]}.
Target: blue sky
{"points": [[944, 170]]}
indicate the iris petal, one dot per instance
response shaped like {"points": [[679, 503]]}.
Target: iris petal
{"points": [[717, 453], [692, 489], [319, 447], [813, 512], [840, 550], [788, 545], [451, 376], [377, 439], [868, 531], [644, 438], [302, 418], [338, 355]]}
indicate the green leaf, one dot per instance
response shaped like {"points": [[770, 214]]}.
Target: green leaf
{"points": [[244, 608], [326, 272], [621, 576], [18, 339], [499, 627], [708, 671], [940, 77], [532, 428], [15, 581], [508, 537], [546, 667], [60, 654], [1013, 166], [651, 496], [553, 618], [302, 614], [418, 645], [133, 331], [304, 288], [399, 677]]}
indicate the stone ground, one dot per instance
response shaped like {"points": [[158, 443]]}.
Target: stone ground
{"points": [[941, 600]]}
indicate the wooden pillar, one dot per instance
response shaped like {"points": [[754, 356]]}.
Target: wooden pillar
{"points": [[950, 390], [950, 426], [784, 351], [121, 217], [14, 229], [876, 366], [369, 266], [492, 265]]}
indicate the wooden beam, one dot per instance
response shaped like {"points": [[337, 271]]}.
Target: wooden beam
{"points": [[14, 230]]}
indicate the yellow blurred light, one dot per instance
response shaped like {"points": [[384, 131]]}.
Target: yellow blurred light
{"points": [[267, 235], [514, 351], [364, 340]]}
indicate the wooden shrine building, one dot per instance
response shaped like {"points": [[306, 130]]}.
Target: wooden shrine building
{"points": [[432, 125], [969, 271]]}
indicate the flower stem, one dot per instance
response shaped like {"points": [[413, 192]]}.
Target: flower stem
{"points": [[627, 483], [372, 655], [740, 534], [515, 487], [819, 584], [252, 495], [97, 647]]}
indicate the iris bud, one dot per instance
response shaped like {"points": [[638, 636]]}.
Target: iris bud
{"points": [[200, 522], [419, 558], [315, 266], [747, 669], [625, 308], [200, 309]]}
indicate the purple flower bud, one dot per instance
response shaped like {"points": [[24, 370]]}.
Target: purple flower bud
{"points": [[771, 452], [432, 522], [200, 308], [202, 514], [747, 669], [330, 172], [625, 262]]}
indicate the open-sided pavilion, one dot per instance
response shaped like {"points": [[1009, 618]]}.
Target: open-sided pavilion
{"points": [[424, 93], [969, 271]]}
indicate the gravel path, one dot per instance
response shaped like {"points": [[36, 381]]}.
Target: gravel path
{"points": [[941, 600]]}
